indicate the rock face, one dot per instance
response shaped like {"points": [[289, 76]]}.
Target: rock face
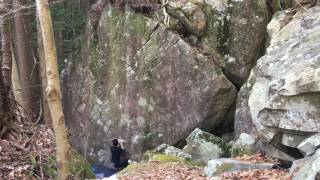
{"points": [[309, 145], [170, 150], [244, 145], [203, 146], [138, 81], [247, 33], [280, 101], [309, 169], [234, 30], [216, 167]]}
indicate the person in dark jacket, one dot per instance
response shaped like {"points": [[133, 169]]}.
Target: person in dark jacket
{"points": [[118, 160]]}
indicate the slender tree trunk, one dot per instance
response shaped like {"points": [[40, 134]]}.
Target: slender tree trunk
{"points": [[16, 88], [6, 54], [5, 119], [6, 115], [45, 107], [53, 89]]}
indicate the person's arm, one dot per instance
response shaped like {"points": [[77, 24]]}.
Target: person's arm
{"points": [[121, 143]]}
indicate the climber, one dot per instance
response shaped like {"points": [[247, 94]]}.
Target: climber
{"points": [[118, 155]]}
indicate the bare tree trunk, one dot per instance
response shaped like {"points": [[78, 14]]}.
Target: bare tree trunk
{"points": [[45, 106], [25, 61], [53, 89]]}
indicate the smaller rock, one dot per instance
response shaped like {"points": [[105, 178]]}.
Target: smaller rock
{"points": [[170, 150], [309, 169], [190, 15], [203, 152], [244, 145], [245, 140], [203, 146], [216, 167], [309, 145], [200, 136], [297, 164]]}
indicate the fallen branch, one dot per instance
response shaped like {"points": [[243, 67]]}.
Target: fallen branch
{"points": [[298, 3], [18, 146]]}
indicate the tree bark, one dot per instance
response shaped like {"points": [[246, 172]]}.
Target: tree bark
{"points": [[6, 54], [6, 115], [16, 88], [25, 61], [45, 107], [22, 57], [53, 89]]}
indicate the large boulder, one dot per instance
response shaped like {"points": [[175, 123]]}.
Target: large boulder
{"points": [[234, 30], [280, 101], [134, 79]]}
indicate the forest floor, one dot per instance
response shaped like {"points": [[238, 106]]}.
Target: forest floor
{"points": [[30, 156], [156, 170]]}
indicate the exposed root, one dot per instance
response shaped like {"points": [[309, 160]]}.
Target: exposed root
{"points": [[166, 20], [7, 128]]}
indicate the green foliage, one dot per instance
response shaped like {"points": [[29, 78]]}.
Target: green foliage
{"points": [[279, 5], [69, 22], [50, 168], [80, 168]]}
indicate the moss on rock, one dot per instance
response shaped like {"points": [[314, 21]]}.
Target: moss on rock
{"points": [[238, 152], [154, 157], [167, 158]]}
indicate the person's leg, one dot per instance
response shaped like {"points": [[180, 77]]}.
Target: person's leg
{"points": [[116, 166], [124, 163]]}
